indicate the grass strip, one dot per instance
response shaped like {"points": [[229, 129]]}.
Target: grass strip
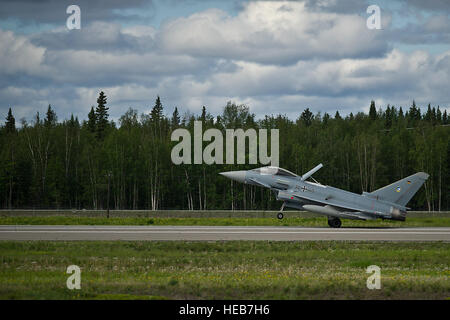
{"points": [[293, 221], [224, 270]]}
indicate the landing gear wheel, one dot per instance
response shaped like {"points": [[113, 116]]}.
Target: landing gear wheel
{"points": [[334, 223], [280, 214]]}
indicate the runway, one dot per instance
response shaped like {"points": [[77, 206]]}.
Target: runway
{"points": [[214, 233]]}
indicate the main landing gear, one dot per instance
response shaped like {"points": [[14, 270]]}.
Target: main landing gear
{"points": [[334, 222], [280, 214]]}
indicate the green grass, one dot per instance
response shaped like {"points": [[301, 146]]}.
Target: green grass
{"points": [[224, 270], [294, 221]]}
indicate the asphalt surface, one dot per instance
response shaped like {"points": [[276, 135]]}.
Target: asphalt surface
{"points": [[214, 233]]}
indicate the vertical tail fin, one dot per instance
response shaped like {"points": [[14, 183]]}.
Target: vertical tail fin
{"points": [[402, 191]]}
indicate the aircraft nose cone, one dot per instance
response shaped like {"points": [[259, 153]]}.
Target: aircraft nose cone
{"points": [[238, 176]]}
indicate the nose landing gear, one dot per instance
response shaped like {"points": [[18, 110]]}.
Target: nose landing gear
{"points": [[280, 214]]}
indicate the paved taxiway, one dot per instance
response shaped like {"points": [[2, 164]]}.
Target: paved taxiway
{"points": [[212, 233]]}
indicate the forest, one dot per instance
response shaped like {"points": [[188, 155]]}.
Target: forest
{"points": [[88, 164]]}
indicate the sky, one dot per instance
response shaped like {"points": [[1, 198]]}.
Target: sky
{"points": [[277, 57]]}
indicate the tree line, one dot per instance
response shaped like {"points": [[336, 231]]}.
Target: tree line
{"points": [[65, 164]]}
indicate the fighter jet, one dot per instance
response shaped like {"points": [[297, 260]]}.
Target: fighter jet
{"points": [[296, 192]]}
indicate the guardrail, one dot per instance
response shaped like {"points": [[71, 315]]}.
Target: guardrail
{"points": [[186, 213]]}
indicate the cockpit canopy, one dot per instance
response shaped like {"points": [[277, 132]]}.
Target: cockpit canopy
{"points": [[274, 171]]}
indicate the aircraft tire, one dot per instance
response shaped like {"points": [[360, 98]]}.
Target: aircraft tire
{"points": [[280, 215], [335, 223]]}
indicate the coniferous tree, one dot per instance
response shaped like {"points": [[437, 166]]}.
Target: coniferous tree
{"points": [[10, 124], [438, 116], [337, 116], [433, 116], [414, 113], [306, 117], [73, 122], [350, 116], [401, 116], [372, 111], [427, 116], [156, 115], [8, 167], [101, 116], [394, 114], [203, 116], [92, 123], [157, 111], [325, 119], [50, 117], [175, 118], [37, 119], [388, 117]]}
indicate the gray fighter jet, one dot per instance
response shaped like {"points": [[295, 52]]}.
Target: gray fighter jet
{"points": [[388, 202]]}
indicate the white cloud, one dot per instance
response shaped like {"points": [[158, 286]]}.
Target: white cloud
{"points": [[18, 55], [272, 32]]}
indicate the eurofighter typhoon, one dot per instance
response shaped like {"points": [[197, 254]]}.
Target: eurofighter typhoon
{"points": [[388, 202]]}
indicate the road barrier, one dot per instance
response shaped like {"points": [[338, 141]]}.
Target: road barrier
{"points": [[187, 213]]}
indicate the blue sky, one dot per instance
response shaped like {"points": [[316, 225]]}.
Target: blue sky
{"points": [[276, 57]]}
